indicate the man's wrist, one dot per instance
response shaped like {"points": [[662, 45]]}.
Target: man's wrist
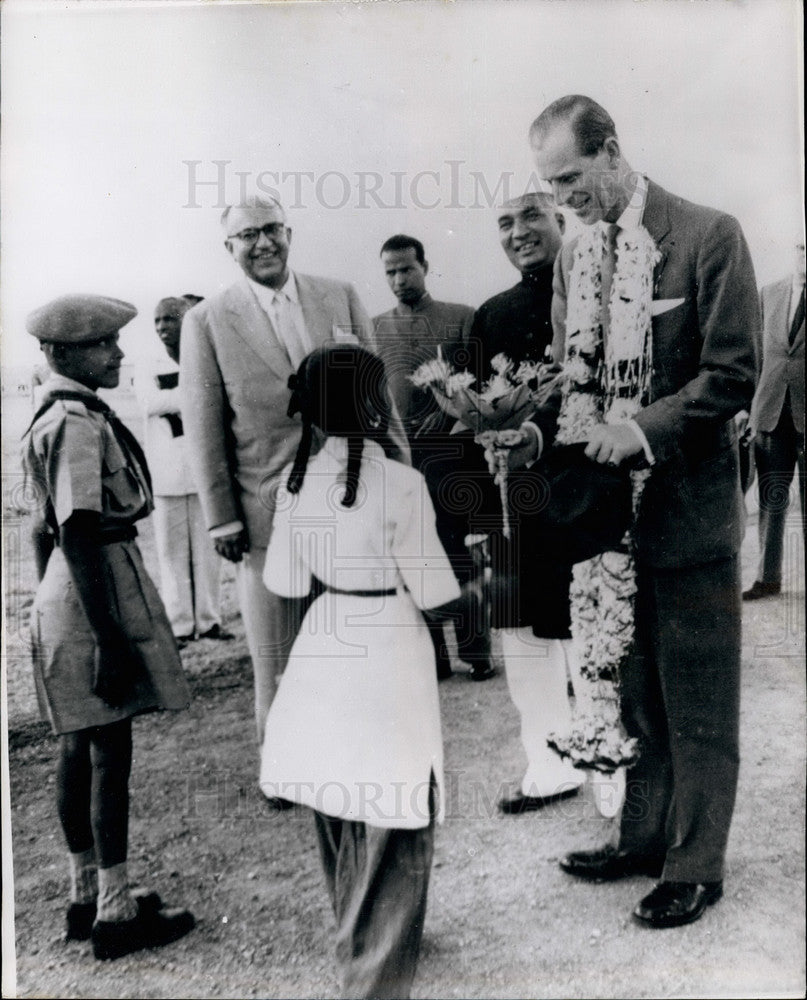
{"points": [[224, 530], [640, 434]]}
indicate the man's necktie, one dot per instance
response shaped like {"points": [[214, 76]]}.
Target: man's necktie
{"points": [[286, 329], [608, 268], [798, 318]]}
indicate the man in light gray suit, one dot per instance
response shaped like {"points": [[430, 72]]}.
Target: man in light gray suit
{"points": [[238, 350], [777, 421]]}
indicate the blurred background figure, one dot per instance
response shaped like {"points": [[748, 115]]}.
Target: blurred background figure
{"points": [[190, 567], [777, 421], [416, 330]]}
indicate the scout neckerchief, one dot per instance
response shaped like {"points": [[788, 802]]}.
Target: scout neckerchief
{"points": [[127, 441]]}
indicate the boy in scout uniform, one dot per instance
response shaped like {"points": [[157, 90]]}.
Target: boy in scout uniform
{"points": [[103, 647]]}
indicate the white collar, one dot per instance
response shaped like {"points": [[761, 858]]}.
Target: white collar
{"points": [[268, 296], [632, 216]]}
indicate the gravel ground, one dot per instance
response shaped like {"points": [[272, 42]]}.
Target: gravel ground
{"points": [[503, 920]]}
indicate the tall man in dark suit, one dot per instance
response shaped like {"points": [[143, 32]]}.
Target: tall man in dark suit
{"points": [[238, 350], [777, 421], [406, 336], [680, 689]]}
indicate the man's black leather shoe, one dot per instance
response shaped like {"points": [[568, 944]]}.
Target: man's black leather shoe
{"points": [[673, 904], [529, 803], [482, 670], [759, 589], [607, 864]]}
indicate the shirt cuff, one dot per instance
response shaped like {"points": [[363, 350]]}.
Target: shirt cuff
{"points": [[539, 435], [648, 451], [230, 528]]}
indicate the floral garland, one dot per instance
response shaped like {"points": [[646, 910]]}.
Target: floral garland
{"points": [[605, 382]]}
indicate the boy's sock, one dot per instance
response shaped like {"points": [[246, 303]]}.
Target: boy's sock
{"points": [[115, 901]]}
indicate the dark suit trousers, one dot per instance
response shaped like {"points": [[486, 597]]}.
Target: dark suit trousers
{"points": [[465, 502], [681, 696], [378, 880], [777, 454]]}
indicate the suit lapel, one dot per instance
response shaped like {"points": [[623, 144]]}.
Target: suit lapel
{"points": [[656, 221], [249, 322], [780, 321], [316, 314]]}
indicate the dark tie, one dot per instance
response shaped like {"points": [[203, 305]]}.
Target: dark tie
{"points": [[798, 318], [608, 268]]}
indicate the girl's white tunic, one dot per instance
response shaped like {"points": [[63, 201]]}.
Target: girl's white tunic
{"points": [[354, 730]]}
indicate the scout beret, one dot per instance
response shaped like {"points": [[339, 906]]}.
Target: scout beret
{"points": [[79, 319]]}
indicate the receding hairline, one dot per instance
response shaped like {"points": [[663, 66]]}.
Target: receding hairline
{"points": [[254, 201], [588, 120], [544, 197]]}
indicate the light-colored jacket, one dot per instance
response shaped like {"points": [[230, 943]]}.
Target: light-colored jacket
{"points": [[234, 377], [782, 362], [171, 471]]}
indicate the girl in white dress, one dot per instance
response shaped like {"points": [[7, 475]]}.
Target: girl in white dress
{"points": [[354, 732]]}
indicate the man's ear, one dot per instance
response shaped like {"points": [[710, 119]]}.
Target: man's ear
{"points": [[288, 235], [229, 245], [611, 147], [560, 218], [425, 266]]}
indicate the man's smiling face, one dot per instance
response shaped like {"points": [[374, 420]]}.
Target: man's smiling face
{"points": [[529, 231], [259, 240], [587, 184]]}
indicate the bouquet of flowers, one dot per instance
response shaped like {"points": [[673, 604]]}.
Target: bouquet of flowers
{"points": [[503, 402]]}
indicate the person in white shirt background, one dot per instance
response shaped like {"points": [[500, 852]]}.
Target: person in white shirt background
{"points": [[190, 567]]}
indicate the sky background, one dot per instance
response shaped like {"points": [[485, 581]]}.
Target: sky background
{"points": [[104, 104]]}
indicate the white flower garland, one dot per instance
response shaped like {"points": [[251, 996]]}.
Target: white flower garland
{"points": [[605, 383]]}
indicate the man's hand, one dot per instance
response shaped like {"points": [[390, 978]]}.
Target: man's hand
{"points": [[233, 546], [522, 445], [745, 432], [612, 444]]}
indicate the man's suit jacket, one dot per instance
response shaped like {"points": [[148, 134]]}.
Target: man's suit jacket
{"points": [[234, 383], [704, 371], [782, 362]]}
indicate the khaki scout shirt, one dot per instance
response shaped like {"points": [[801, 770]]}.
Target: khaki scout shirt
{"points": [[72, 459]]}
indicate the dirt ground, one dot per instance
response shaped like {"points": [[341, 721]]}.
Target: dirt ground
{"points": [[503, 920]]}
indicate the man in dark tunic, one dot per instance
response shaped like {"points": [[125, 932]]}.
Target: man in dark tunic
{"points": [[531, 595]]}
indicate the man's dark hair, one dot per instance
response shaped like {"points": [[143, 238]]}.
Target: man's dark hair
{"points": [[402, 242], [590, 122]]}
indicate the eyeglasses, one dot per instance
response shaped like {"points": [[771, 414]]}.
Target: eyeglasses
{"points": [[272, 231]]}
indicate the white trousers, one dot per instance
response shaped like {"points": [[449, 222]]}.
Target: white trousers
{"points": [[190, 567], [537, 680]]}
